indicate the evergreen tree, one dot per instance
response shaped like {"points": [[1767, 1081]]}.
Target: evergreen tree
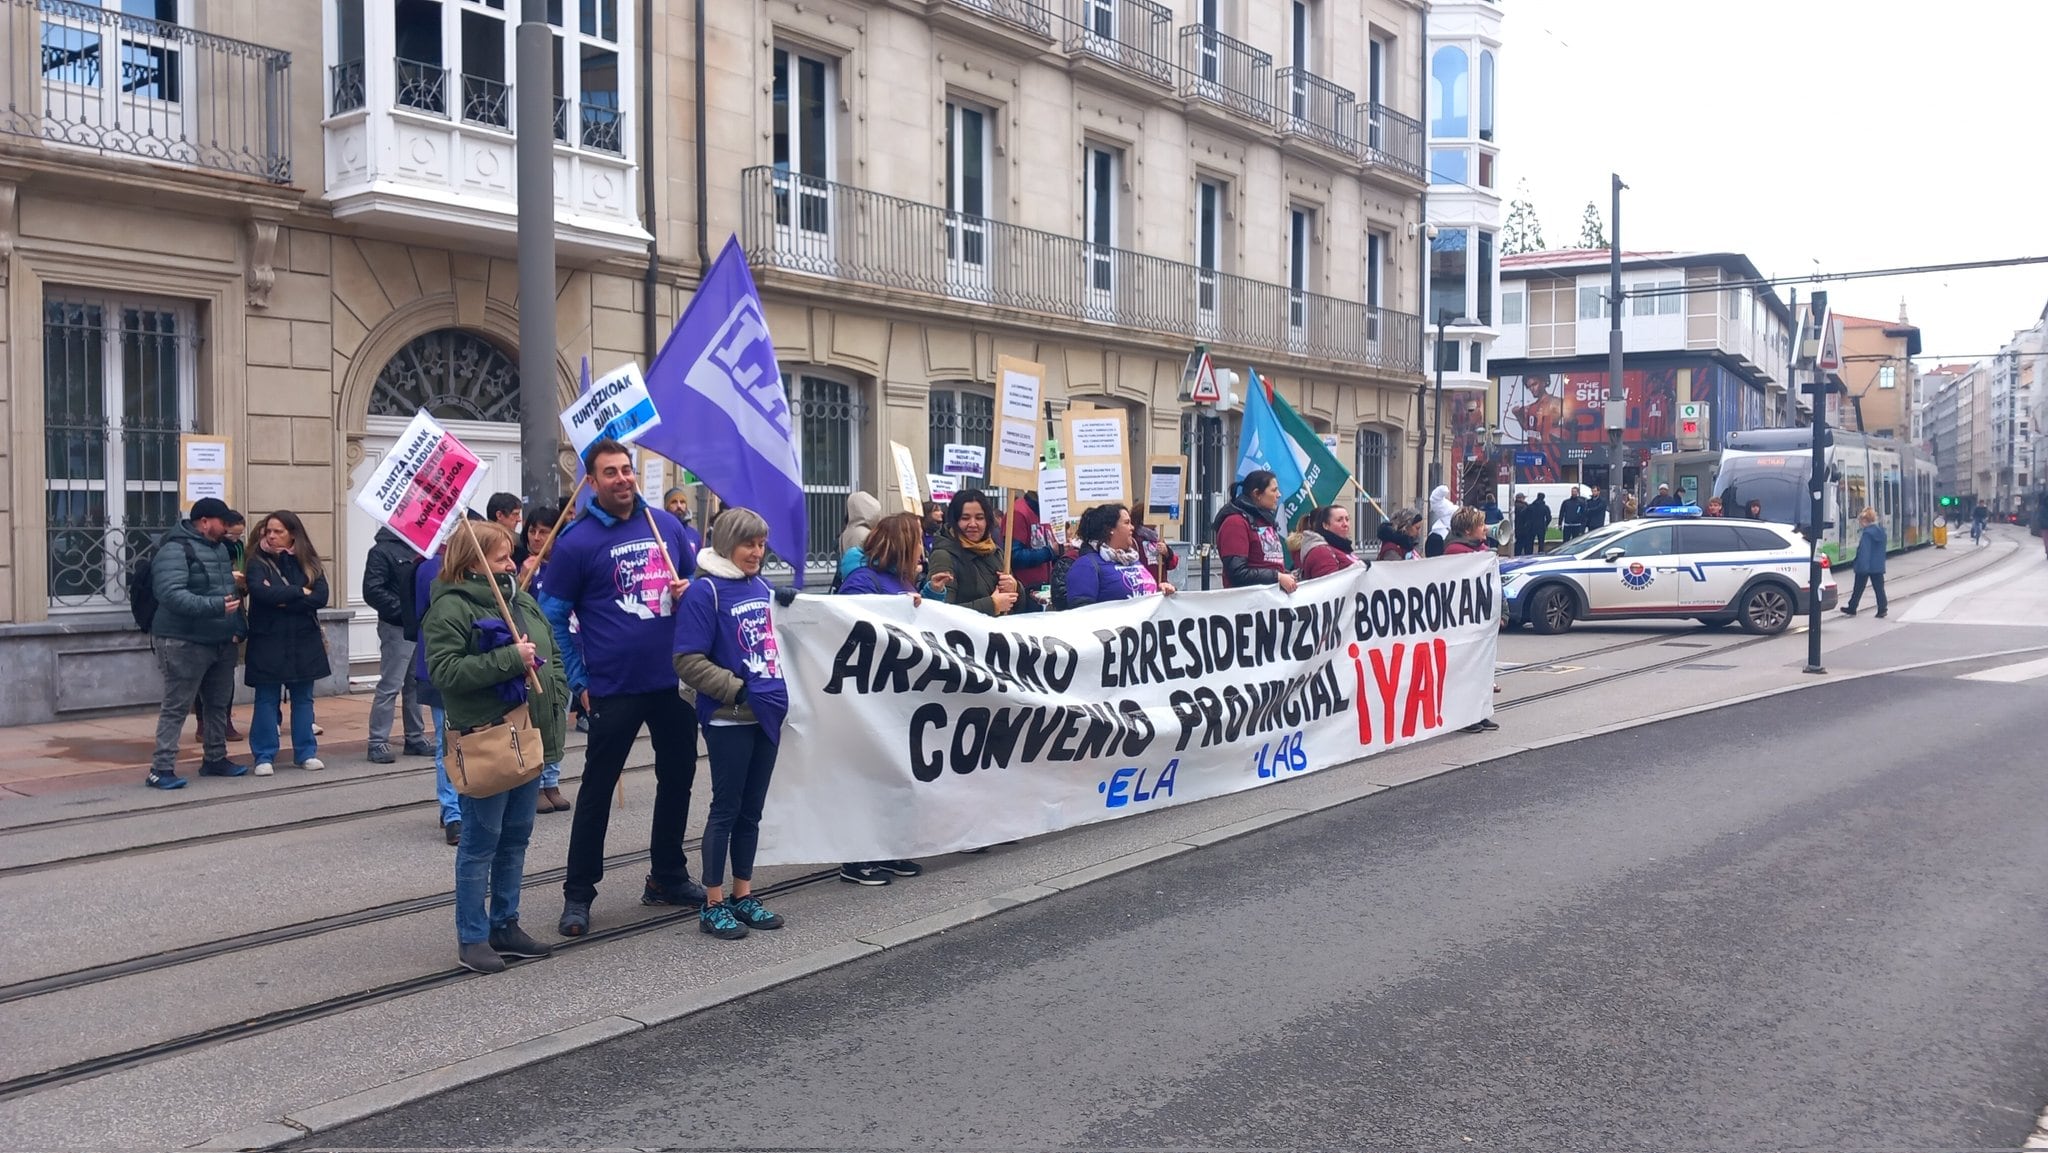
{"points": [[1592, 232], [1522, 232]]}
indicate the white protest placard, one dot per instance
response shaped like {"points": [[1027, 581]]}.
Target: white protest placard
{"points": [[617, 406], [653, 477], [1166, 488], [1098, 483], [1025, 725], [206, 454], [965, 460], [200, 485], [1053, 507], [423, 485], [941, 486], [1019, 385], [1099, 436], [1096, 457], [906, 477]]}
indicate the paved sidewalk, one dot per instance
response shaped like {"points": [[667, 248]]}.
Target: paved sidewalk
{"points": [[36, 760]]}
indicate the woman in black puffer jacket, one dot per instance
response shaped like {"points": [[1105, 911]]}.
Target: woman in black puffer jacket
{"points": [[287, 653]]}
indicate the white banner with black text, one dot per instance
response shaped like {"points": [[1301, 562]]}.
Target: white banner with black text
{"points": [[920, 730]]}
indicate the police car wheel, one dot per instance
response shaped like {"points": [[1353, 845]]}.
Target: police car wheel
{"points": [[1766, 610], [1551, 612]]}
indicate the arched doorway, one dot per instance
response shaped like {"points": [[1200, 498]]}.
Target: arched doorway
{"points": [[471, 386]]}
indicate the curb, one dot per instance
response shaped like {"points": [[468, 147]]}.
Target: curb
{"points": [[332, 1114]]}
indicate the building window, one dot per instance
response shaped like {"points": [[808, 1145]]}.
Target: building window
{"points": [[829, 417], [958, 415], [1485, 95], [486, 93], [1447, 274], [454, 375], [1511, 309], [1449, 165], [1552, 328], [1103, 168], [117, 392], [1208, 242], [422, 77], [1592, 302], [967, 188], [1300, 242], [346, 88], [1372, 477], [1450, 94], [1485, 313], [1485, 169], [803, 144], [1887, 377]]}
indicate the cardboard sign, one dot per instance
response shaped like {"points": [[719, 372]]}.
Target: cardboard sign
{"points": [[1019, 384], [617, 406], [422, 487], [1053, 506], [1097, 444], [1165, 489], [965, 460], [906, 477], [941, 486]]}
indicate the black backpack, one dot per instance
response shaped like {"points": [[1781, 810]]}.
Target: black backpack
{"points": [[1060, 568], [142, 584]]}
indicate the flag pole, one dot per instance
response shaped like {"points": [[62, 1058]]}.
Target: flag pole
{"points": [[549, 543], [673, 572], [498, 594]]}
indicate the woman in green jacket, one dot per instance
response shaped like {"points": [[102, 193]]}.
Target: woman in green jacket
{"points": [[481, 678], [965, 569]]}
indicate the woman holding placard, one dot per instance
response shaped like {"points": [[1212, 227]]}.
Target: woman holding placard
{"points": [[1110, 567], [965, 570], [1248, 535]]}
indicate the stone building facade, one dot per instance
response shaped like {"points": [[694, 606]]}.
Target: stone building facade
{"points": [[294, 233]]}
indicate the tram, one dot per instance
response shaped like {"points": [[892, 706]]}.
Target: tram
{"points": [[1771, 466]]}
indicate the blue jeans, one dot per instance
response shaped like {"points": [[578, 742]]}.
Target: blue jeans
{"points": [[742, 761], [263, 736], [443, 787], [491, 859], [551, 775]]}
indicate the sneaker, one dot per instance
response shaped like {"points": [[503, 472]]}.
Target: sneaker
{"points": [[862, 873], [688, 895], [719, 921], [312, 764], [222, 768], [752, 913], [1880, 614], [263, 769], [1848, 612], [382, 755], [512, 941], [479, 957], [575, 919], [418, 749], [452, 832], [165, 781], [901, 868], [318, 731], [1488, 725]]}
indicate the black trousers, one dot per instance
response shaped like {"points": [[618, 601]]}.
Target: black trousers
{"points": [[1875, 581], [615, 723]]}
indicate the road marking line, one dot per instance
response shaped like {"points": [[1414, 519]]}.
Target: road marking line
{"points": [[2010, 674]]}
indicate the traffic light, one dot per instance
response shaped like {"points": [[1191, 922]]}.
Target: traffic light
{"points": [[1949, 502]]}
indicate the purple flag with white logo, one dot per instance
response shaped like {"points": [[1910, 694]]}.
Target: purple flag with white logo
{"points": [[725, 416]]}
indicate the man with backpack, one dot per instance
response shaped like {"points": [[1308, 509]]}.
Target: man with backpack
{"points": [[185, 595], [387, 588]]}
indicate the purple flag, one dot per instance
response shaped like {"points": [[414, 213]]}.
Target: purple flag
{"points": [[725, 416]]}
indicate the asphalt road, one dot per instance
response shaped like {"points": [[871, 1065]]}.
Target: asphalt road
{"points": [[1815, 922]]}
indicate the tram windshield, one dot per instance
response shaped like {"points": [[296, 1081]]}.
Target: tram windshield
{"points": [[1777, 482]]}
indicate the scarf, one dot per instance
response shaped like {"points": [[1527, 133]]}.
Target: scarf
{"points": [[982, 547], [1118, 556], [1340, 543]]}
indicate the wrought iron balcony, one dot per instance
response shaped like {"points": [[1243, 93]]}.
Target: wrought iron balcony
{"points": [[1030, 15], [1312, 107], [124, 85], [1226, 72], [1134, 34], [1390, 139], [836, 231]]}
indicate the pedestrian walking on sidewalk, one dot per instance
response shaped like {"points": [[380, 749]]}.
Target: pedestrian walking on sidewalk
{"points": [[725, 651], [1869, 563], [618, 569], [197, 622], [387, 588], [480, 662], [287, 653]]}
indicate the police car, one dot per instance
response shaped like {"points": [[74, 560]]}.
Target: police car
{"points": [[1673, 563]]}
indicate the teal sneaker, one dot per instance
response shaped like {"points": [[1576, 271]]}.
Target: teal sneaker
{"points": [[753, 914], [718, 921]]}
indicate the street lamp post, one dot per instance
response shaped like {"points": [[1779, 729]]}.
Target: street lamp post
{"points": [[1436, 428]]}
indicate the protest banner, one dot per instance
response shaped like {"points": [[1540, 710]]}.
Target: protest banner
{"points": [[918, 731], [942, 486], [423, 485], [616, 406]]}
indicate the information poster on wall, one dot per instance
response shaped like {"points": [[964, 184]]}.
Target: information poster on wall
{"points": [[1166, 488], [1019, 384], [204, 468], [653, 476], [906, 477], [1097, 443]]}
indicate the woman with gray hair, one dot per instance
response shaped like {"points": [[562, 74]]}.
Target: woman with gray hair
{"points": [[725, 650]]}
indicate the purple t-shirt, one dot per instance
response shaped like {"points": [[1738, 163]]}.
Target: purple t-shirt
{"points": [[1095, 578], [728, 621], [871, 581], [613, 575]]}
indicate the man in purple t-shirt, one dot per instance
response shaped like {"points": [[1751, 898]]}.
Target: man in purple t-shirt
{"points": [[618, 569]]}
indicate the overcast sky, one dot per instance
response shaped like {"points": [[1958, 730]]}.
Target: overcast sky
{"points": [[1860, 134]]}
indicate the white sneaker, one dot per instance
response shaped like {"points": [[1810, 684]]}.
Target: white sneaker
{"points": [[262, 769], [318, 731], [312, 764]]}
